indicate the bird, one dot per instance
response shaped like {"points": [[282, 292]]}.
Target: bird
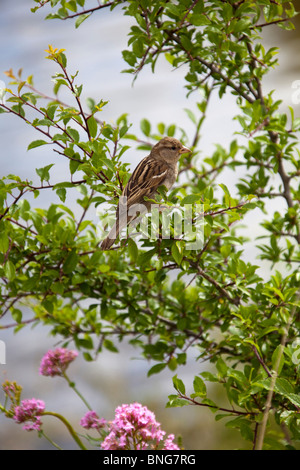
{"points": [[159, 168]]}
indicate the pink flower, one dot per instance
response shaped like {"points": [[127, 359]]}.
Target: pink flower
{"points": [[30, 410], [135, 427], [169, 444], [92, 421], [56, 362], [12, 390]]}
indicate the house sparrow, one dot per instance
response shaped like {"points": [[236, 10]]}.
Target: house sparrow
{"points": [[158, 168]]}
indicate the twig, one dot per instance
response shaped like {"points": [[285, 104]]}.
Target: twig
{"points": [[263, 426], [219, 408], [91, 10], [260, 360], [262, 25]]}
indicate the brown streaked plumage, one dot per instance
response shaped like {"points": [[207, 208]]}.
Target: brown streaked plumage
{"points": [[157, 169]]}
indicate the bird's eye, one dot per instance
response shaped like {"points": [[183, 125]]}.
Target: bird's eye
{"points": [[173, 147]]}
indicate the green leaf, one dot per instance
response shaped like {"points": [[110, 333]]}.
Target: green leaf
{"points": [[70, 262], [43, 173], [278, 359], [92, 126], [293, 398], [51, 111], [169, 57], [171, 130], [225, 189], [173, 10], [209, 377], [221, 367], [88, 357], [10, 270], [57, 288], [178, 385], [199, 20], [176, 253], [16, 315], [4, 242], [36, 143], [132, 249], [282, 386], [190, 199], [129, 57], [104, 268], [175, 402], [199, 387], [191, 115], [61, 193], [161, 128], [156, 369], [145, 127], [81, 19], [144, 257], [73, 133], [110, 346]]}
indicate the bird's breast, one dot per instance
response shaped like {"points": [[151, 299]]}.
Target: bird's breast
{"points": [[171, 178]]}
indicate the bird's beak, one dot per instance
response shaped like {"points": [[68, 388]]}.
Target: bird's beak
{"points": [[184, 150]]}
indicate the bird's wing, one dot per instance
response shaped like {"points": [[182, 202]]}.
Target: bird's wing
{"points": [[146, 178]]}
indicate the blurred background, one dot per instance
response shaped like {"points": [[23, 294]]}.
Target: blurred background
{"points": [[95, 50]]}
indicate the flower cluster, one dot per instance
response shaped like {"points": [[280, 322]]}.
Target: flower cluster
{"points": [[135, 427], [56, 362], [92, 421], [13, 391], [29, 410]]}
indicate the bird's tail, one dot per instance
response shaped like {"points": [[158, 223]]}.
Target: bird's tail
{"points": [[122, 220], [111, 237]]}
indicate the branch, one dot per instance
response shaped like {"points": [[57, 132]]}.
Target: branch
{"points": [[219, 408], [262, 25], [221, 289], [214, 69], [221, 211], [260, 360], [91, 10], [15, 202], [284, 337]]}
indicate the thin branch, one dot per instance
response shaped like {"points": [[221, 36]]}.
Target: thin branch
{"points": [[212, 281], [262, 25], [218, 408], [49, 186], [91, 10], [261, 436], [14, 325], [221, 211], [214, 69], [21, 225], [260, 360], [15, 202]]}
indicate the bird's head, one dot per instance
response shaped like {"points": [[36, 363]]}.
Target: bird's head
{"points": [[169, 149]]}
